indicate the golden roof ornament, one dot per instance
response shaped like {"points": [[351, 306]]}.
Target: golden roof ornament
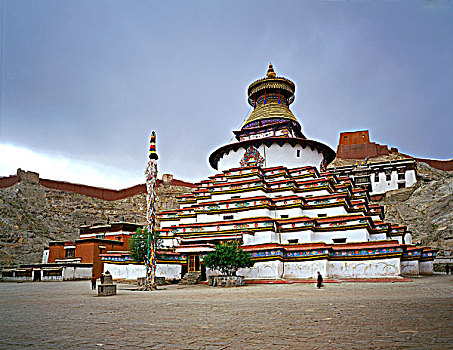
{"points": [[270, 72]]}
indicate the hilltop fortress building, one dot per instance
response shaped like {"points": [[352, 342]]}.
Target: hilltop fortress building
{"points": [[274, 196]]}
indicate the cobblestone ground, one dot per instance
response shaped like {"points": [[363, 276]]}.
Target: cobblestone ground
{"points": [[403, 315]]}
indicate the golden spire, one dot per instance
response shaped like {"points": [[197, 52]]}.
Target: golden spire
{"points": [[270, 71]]}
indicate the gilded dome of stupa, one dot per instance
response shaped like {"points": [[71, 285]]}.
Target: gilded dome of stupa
{"points": [[271, 97]]}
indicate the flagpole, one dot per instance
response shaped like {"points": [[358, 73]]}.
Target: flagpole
{"points": [[151, 180]]}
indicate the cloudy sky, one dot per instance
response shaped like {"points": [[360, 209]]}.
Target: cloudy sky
{"points": [[83, 83]]}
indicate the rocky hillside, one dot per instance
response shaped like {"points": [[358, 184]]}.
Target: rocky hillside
{"points": [[426, 209], [32, 215]]}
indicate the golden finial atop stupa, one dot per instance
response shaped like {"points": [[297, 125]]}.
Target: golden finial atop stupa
{"points": [[270, 71]]}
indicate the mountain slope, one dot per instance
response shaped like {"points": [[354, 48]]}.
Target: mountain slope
{"points": [[31, 216]]}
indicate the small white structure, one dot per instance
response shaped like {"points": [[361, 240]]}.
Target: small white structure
{"points": [[381, 177]]}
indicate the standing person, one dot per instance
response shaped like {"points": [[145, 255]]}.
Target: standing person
{"points": [[447, 268], [93, 282], [319, 284], [102, 278]]}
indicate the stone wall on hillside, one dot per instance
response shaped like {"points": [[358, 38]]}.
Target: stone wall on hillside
{"points": [[32, 215], [90, 191]]}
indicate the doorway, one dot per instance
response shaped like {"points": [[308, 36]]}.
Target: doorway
{"points": [[194, 263], [37, 276]]}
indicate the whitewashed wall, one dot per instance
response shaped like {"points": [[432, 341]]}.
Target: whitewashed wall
{"points": [[364, 268], [304, 236], [45, 256], [71, 273], [380, 237], [125, 271], [51, 278], [407, 238], [169, 271], [263, 270], [330, 211], [248, 194], [261, 237], [410, 267], [426, 267], [382, 185], [354, 235], [305, 269], [134, 271], [275, 156]]}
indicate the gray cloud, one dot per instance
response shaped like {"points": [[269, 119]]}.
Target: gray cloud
{"points": [[90, 80]]}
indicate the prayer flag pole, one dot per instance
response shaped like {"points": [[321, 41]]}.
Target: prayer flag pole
{"points": [[151, 180]]}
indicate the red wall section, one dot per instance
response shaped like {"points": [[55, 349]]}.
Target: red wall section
{"points": [[362, 151], [56, 251], [354, 137], [96, 192], [445, 165], [8, 181]]}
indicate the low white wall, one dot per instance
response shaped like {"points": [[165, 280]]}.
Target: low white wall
{"points": [[305, 269], [71, 273], [125, 271], [426, 267], [263, 270], [134, 271], [364, 268], [410, 267], [169, 271], [52, 278], [18, 279]]}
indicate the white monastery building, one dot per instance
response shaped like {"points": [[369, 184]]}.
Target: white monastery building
{"points": [[274, 196]]}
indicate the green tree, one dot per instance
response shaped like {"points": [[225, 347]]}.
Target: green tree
{"points": [[227, 258], [138, 244]]}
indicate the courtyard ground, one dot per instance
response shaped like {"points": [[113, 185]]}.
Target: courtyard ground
{"points": [[69, 315]]}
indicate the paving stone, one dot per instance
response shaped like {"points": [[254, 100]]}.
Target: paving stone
{"points": [[68, 315]]}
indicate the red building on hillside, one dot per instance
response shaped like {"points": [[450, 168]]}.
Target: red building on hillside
{"points": [[94, 240]]}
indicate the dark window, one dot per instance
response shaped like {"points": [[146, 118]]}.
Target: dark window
{"points": [[401, 184], [47, 273], [402, 176], [293, 240], [228, 217], [23, 273], [298, 152], [339, 240], [284, 216], [235, 197], [70, 253], [322, 215], [362, 180], [376, 177], [388, 177]]}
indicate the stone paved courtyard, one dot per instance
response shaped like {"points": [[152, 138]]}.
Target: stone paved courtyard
{"points": [[69, 315]]}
